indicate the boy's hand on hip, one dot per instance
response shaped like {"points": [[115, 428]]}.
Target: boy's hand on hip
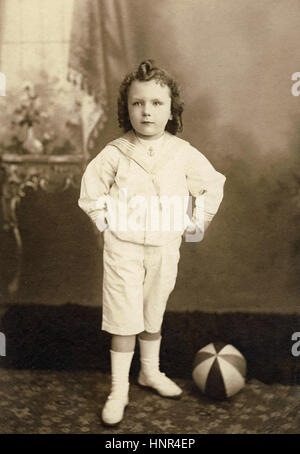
{"points": [[193, 233]]}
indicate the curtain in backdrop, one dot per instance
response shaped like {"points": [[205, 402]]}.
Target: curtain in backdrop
{"points": [[101, 51]]}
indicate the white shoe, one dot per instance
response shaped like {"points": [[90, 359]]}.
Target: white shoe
{"points": [[162, 384], [113, 410]]}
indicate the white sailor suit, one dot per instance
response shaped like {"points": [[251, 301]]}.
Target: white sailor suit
{"points": [[141, 252]]}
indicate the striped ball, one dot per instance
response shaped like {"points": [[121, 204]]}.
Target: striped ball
{"points": [[219, 370]]}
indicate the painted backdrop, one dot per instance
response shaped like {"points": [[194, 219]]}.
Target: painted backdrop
{"points": [[234, 60]]}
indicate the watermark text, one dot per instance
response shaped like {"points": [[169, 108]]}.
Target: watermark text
{"points": [[165, 213], [296, 86], [2, 344], [296, 346]]}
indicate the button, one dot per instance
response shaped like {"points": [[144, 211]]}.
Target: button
{"points": [[150, 151]]}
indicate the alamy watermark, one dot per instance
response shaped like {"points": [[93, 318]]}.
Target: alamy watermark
{"points": [[2, 344], [295, 89], [2, 84], [296, 346], [152, 214]]}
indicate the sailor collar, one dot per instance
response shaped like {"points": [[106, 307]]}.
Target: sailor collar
{"points": [[130, 146]]}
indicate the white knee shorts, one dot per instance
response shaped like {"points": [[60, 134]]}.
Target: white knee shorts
{"points": [[137, 282]]}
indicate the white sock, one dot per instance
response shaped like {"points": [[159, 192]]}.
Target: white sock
{"points": [[149, 355], [120, 367]]}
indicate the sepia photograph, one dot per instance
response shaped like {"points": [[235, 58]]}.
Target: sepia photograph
{"points": [[149, 219]]}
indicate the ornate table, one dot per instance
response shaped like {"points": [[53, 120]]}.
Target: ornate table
{"points": [[51, 173]]}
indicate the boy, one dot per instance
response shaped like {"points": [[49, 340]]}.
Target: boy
{"points": [[127, 190]]}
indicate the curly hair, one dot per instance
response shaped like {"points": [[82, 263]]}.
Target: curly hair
{"points": [[146, 71]]}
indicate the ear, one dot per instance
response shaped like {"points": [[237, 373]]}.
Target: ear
{"points": [[171, 116]]}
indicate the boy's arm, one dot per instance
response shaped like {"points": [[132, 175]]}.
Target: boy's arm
{"points": [[206, 185], [96, 182]]}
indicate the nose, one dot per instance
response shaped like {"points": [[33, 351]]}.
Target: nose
{"points": [[146, 110]]}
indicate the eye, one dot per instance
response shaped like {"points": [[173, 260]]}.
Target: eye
{"points": [[157, 103], [137, 103]]}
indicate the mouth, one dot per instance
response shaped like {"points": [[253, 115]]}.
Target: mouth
{"points": [[147, 122]]}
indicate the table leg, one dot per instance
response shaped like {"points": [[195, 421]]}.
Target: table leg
{"points": [[13, 286], [9, 205]]}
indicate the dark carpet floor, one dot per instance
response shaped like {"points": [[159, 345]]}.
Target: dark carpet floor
{"points": [[55, 378], [66, 402]]}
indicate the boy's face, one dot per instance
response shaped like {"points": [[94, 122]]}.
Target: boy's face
{"points": [[149, 107]]}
